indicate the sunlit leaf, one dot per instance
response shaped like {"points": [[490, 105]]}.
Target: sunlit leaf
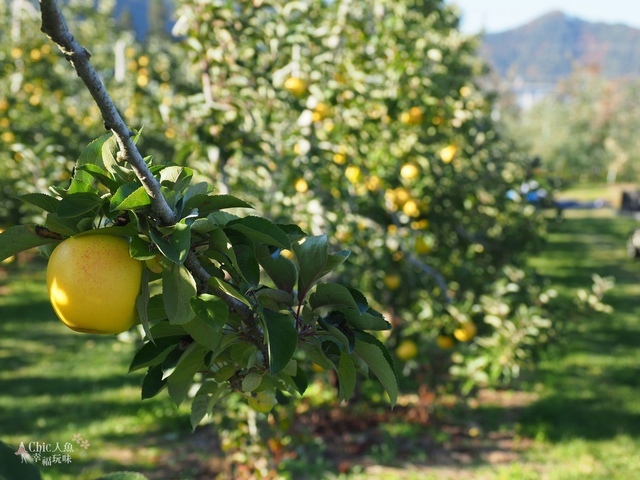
{"points": [[19, 238]]}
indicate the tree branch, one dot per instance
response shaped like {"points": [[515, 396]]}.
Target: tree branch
{"points": [[55, 27]]}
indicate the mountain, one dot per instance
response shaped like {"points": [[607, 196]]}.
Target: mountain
{"points": [[552, 46]]}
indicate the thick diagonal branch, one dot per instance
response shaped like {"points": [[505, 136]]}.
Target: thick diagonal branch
{"points": [[55, 27]]}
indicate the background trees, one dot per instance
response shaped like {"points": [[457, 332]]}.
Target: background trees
{"points": [[584, 131], [362, 120]]}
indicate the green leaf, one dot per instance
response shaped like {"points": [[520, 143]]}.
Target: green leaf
{"points": [[155, 310], [282, 339], [294, 232], [141, 249], [78, 204], [316, 355], [337, 326], [300, 380], [220, 285], [142, 303], [40, 200], [130, 196], [90, 155], [314, 262], [204, 400], [346, 377], [202, 226], [101, 175], [207, 204], [360, 299], [281, 270], [190, 363], [177, 246], [261, 230], [221, 218], [370, 320], [13, 467], [175, 177], [153, 382], [376, 356], [154, 353], [334, 295], [109, 153], [251, 381], [211, 309], [203, 333], [19, 238], [178, 287], [165, 329], [219, 242], [63, 226], [201, 188], [245, 254]]}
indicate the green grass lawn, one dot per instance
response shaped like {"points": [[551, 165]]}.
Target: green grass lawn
{"points": [[585, 422], [577, 416], [580, 417]]}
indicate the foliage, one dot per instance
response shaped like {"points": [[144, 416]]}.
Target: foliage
{"points": [[387, 140], [361, 121], [583, 131], [265, 309], [40, 110]]}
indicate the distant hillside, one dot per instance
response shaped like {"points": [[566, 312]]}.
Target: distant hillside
{"points": [[549, 48]]}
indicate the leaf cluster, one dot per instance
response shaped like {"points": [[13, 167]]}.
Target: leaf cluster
{"points": [[233, 303]]}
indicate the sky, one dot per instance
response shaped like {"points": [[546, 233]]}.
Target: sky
{"points": [[498, 15]]}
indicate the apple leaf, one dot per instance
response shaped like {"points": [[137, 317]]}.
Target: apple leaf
{"points": [[179, 381], [376, 356], [90, 155], [130, 196], [207, 204], [78, 204], [40, 200], [261, 230], [178, 287], [19, 238], [346, 377], [14, 467], [204, 400], [282, 338], [314, 262], [153, 382], [281, 270]]}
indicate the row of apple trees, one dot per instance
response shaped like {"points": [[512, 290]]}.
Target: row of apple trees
{"points": [[365, 119], [360, 119]]}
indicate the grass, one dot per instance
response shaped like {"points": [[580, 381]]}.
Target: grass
{"points": [[55, 383], [584, 419], [588, 418], [577, 418]]}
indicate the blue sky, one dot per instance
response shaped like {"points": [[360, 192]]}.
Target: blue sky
{"points": [[498, 15]]}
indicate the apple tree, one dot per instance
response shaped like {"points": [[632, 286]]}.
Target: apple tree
{"points": [[231, 303], [389, 144]]}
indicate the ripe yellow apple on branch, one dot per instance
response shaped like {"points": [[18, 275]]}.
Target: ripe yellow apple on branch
{"points": [[230, 311], [93, 283]]}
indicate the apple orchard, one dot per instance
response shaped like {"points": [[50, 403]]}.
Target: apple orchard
{"points": [[335, 191]]}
